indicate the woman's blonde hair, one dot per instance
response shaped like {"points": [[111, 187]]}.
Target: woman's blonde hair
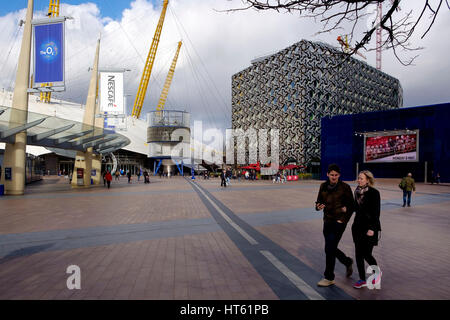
{"points": [[369, 176]]}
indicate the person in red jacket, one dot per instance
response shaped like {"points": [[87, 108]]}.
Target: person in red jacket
{"points": [[108, 178]]}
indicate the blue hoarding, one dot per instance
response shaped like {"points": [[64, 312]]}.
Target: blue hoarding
{"points": [[49, 53]]}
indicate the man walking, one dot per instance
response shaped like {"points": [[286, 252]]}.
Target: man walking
{"points": [[146, 177], [335, 198], [108, 178], [139, 173], [223, 177], [408, 185], [228, 175]]}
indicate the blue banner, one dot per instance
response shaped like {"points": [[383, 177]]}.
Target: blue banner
{"points": [[49, 53]]}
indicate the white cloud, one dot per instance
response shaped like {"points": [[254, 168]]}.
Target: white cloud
{"points": [[221, 43]]}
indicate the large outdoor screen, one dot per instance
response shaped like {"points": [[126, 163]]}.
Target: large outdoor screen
{"points": [[399, 147]]}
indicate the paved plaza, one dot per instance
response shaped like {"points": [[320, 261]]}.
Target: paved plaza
{"points": [[178, 239]]}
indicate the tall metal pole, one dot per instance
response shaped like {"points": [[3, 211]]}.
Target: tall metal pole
{"points": [[83, 160], [15, 153], [357, 170], [426, 173]]}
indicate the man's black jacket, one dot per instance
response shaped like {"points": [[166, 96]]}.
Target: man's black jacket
{"points": [[334, 200]]}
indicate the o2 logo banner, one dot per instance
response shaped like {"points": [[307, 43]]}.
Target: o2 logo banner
{"points": [[49, 53]]}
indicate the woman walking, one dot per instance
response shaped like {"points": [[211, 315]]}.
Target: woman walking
{"points": [[366, 226]]}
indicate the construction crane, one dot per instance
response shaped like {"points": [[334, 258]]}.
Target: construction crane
{"points": [[142, 90], [378, 33], [346, 47], [53, 11], [165, 90]]}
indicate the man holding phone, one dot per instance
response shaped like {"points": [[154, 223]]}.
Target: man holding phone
{"points": [[335, 198]]}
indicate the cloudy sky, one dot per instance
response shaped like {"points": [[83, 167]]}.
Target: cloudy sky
{"points": [[215, 46]]}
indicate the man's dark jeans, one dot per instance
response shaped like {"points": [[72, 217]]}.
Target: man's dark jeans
{"points": [[405, 195], [333, 232]]}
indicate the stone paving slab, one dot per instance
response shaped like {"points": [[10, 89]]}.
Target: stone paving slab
{"points": [[102, 207], [206, 266], [160, 241]]}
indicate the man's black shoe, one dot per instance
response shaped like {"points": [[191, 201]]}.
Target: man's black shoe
{"points": [[403, 205]]}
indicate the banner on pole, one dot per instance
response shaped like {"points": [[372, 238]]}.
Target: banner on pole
{"points": [[48, 53], [111, 92]]}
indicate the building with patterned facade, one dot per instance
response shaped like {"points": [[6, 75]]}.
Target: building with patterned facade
{"points": [[294, 88]]}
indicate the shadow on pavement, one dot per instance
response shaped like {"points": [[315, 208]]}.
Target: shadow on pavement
{"points": [[22, 252]]}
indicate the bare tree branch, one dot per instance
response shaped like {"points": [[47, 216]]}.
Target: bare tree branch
{"points": [[334, 14]]}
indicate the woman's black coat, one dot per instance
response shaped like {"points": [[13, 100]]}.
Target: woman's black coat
{"points": [[367, 217]]}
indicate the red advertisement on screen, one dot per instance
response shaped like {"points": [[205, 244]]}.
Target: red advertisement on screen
{"points": [[391, 148]]}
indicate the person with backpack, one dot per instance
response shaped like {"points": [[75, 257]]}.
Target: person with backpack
{"points": [[408, 185]]}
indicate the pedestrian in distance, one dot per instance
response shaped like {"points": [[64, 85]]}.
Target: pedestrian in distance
{"points": [[335, 198], [117, 175], [228, 176], [108, 178], [104, 178], [408, 186], [366, 227], [278, 177], [437, 178], [146, 177], [129, 176], [223, 177]]}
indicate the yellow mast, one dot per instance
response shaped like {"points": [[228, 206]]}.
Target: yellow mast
{"points": [[53, 8], [53, 11], [142, 90], [165, 90]]}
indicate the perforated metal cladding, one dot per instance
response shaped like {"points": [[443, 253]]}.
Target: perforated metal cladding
{"points": [[294, 88]]}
